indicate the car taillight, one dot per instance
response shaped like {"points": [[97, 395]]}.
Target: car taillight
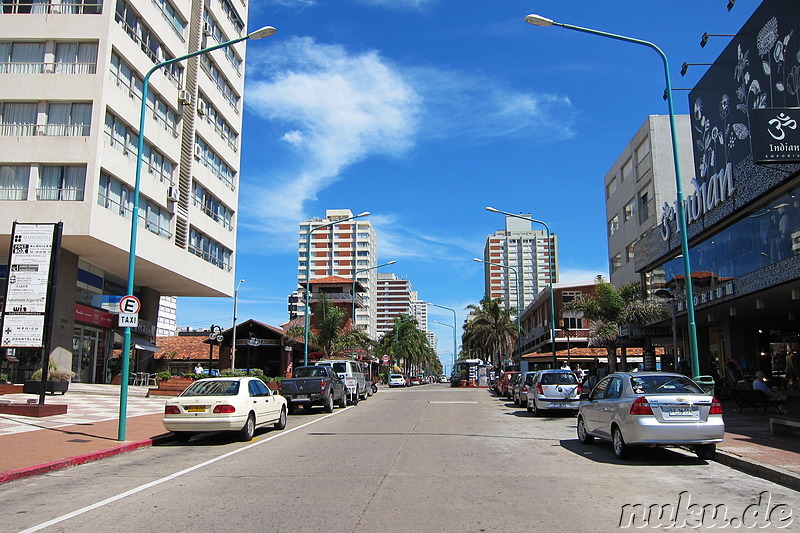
{"points": [[524, 388], [322, 384], [641, 406], [224, 408], [578, 389], [716, 407], [539, 389], [171, 410]]}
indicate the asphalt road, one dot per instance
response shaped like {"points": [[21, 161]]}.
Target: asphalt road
{"points": [[428, 458]]}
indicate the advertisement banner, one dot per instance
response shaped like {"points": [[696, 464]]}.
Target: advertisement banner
{"points": [[776, 135]]}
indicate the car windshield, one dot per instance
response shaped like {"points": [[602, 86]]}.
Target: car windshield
{"points": [[664, 385], [559, 378], [310, 372], [212, 388]]}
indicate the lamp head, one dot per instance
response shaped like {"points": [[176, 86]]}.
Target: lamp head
{"points": [[664, 293], [684, 68], [704, 40], [538, 20], [492, 209], [731, 4], [364, 214], [478, 260], [241, 281], [391, 262], [266, 31]]}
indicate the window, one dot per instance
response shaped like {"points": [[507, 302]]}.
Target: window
{"points": [[14, 182], [211, 206], [573, 323], [645, 206], [118, 197], [61, 183], [76, 58], [627, 170], [125, 78], [616, 263], [611, 187], [36, 7], [568, 296], [613, 225], [69, 120], [209, 250], [125, 140], [642, 150], [225, 88], [211, 160], [21, 58], [216, 34], [221, 126], [629, 253], [17, 119], [630, 210], [141, 34], [174, 19]]}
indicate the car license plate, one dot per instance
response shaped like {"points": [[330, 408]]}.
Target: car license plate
{"points": [[196, 408], [680, 411], [300, 397]]}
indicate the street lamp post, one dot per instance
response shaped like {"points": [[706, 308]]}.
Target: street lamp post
{"points": [[266, 31], [455, 326], [454, 334], [308, 274], [537, 20], [552, 278], [516, 289], [233, 342], [565, 329], [357, 272]]}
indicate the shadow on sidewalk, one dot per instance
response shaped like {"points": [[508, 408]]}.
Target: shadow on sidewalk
{"points": [[753, 427]]}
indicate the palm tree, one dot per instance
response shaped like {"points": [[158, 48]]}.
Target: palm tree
{"points": [[406, 342], [330, 334], [491, 332], [609, 309]]}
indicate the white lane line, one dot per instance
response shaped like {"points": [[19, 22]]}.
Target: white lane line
{"points": [[451, 402], [170, 477]]}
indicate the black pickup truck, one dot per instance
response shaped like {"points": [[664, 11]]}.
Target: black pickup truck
{"points": [[314, 385]]}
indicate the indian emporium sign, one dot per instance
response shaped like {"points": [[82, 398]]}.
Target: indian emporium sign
{"points": [[776, 135], [746, 99]]}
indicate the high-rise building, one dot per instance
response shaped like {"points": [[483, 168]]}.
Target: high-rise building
{"points": [[70, 97], [524, 258], [348, 250], [167, 325], [641, 180], [394, 298]]}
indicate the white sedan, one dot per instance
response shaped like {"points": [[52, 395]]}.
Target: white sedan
{"points": [[224, 404]]}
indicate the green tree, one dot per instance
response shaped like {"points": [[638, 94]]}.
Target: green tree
{"points": [[406, 343], [611, 308], [330, 334], [491, 332]]}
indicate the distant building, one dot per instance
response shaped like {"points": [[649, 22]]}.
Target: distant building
{"points": [[345, 250], [167, 324], [394, 298], [641, 180], [525, 257]]}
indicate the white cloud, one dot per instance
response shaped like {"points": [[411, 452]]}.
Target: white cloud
{"points": [[572, 275], [294, 137], [398, 4]]}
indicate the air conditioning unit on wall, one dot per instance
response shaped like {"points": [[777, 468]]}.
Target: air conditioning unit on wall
{"points": [[201, 107], [185, 97], [173, 194], [207, 28]]}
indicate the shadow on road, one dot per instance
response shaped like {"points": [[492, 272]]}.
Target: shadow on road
{"points": [[602, 452]]}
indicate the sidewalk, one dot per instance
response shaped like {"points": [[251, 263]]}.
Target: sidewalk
{"points": [[89, 430]]}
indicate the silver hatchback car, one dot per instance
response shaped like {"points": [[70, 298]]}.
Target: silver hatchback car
{"points": [[651, 408]]}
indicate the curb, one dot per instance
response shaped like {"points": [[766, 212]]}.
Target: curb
{"points": [[61, 464], [756, 468]]}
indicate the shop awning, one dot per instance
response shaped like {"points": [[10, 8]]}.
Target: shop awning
{"points": [[140, 343]]}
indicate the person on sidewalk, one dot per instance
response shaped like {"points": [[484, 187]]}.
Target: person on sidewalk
{"points": [[760, 383], [199, 369]]}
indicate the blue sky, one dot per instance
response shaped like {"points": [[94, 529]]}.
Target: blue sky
{"points": [[424, 112]]}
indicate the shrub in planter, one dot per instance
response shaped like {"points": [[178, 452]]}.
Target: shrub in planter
{"points": [[57, 381]]}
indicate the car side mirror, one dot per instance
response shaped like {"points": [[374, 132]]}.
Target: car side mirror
{"points": [[275, 393], [585, 396]]}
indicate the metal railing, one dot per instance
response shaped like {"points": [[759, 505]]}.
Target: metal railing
{"points": [[51, 7]]}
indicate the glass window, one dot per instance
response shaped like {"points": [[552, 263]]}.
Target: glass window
{"points": [[616, 262], [611, 187], [14, 182], [627, 170], [614, 389], [62, 183], [613, 225], [630, 210], [629, 253]]}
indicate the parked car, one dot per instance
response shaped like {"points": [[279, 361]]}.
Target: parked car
{"points": [[314, 385], [502, 387], [415, 380], [512, 384], [444, 379], [554, 389], [224, 404], [397, 380], [350, 372], [521, 387], [651, 408]]}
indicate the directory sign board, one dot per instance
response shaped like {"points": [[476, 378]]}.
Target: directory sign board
{"points": [[30, 269]]}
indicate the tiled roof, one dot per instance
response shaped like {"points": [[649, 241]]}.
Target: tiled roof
{"points": [[589, 352], [185, 347]]}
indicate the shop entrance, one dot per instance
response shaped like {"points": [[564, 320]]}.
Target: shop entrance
{"points": [[89, 354]]}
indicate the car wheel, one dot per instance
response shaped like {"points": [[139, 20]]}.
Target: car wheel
{"points": [[535, 409], [706, 451], [355, 399], [249, 429], [290, 408], [621, 450], [329, 403], [343, 400], [182, 436], [583, 435], [281, 423], [374, 388]]}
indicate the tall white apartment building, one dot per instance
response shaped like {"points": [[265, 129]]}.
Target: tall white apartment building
{"points": [[641, 180], [523, 257], [167, 324], [395, 298], [348, 250], [71, 76]]}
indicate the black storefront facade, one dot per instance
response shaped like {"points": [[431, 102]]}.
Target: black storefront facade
{"points": [[743, 211]]}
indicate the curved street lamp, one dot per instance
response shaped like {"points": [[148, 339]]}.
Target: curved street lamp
{"points": [[551, 260], [261, 33], [538, 20], [516, 288], [353, 293], [455, 326], [308, 273]]}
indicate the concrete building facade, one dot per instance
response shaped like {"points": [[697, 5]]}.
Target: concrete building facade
{"points": [[70, 103]]}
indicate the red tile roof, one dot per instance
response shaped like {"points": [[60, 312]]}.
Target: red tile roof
{"points": [[185, 347]]}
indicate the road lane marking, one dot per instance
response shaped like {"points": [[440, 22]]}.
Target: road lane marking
{"points": [[170, 477], [451, 402]]}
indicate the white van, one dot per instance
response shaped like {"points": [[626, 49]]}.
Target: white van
{"points": [[350, 372]]}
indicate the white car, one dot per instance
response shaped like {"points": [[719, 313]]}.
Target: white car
{"points": [[553, 390], [224, 404], [397, 380], [651, 409]]}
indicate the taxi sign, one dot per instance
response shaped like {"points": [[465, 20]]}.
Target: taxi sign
{"points": [[129, 304], [128, 320]]}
